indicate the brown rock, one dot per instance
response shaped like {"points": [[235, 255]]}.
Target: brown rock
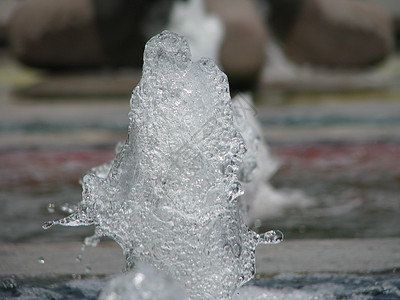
{"points": [[6, 9], [282, 15], [393, 7], [126, 25], [85, 33], [55, 34], [242, 52], [340, 33]]}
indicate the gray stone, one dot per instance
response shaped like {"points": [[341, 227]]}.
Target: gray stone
{"points": [[84, 33], [55, 34], [330, 255], [340, 33], [393, 7]]}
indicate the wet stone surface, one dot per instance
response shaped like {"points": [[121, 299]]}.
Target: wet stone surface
{"points": [[285, 286]]}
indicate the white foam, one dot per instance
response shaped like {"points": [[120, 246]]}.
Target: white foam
{"points": [[203, 31]]}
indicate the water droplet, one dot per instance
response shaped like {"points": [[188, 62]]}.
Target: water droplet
{"points": [[257, 223], [47, 225], [138, 280], [88, 269], [51, 208], [270, 237], [41, 260], [68, 208], [93, 240], [79, 258]]}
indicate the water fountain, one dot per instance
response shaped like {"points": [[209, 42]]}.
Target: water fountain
{"points": [[170, 197]]}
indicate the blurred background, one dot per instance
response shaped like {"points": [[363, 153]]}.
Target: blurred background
{"points": [[324, 76]]}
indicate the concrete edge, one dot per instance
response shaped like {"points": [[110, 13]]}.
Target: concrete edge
{"points": [[296, 256]]}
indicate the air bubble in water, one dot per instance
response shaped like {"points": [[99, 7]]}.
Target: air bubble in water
{"points": [[41, 260], [257, 223], [93, 240], [79, 258], [88, 269], [68, 208]]}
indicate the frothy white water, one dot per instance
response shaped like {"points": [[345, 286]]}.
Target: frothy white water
{"points": [[203, 31], [143, 282], [170, 197], [285, 286], [260, 200], [258, 293], [147, 283]]}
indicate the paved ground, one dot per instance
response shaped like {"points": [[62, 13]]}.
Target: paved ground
{"points": [[40, 110], [35, 121], [30, 123], [296, 256]]}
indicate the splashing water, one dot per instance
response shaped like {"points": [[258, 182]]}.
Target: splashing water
{"points": [[203, 30], [41, 260], [261, 199], [143, 282], [170, 197]]}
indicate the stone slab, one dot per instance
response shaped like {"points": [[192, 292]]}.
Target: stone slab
{"points": [[295, 256], [358, 117], [84, 84], [59, 259], [330, 255]]}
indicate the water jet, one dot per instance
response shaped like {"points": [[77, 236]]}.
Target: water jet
{"points": [[170, 197]]}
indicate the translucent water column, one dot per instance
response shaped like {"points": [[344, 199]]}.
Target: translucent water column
{"points": [[169, 198]]}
